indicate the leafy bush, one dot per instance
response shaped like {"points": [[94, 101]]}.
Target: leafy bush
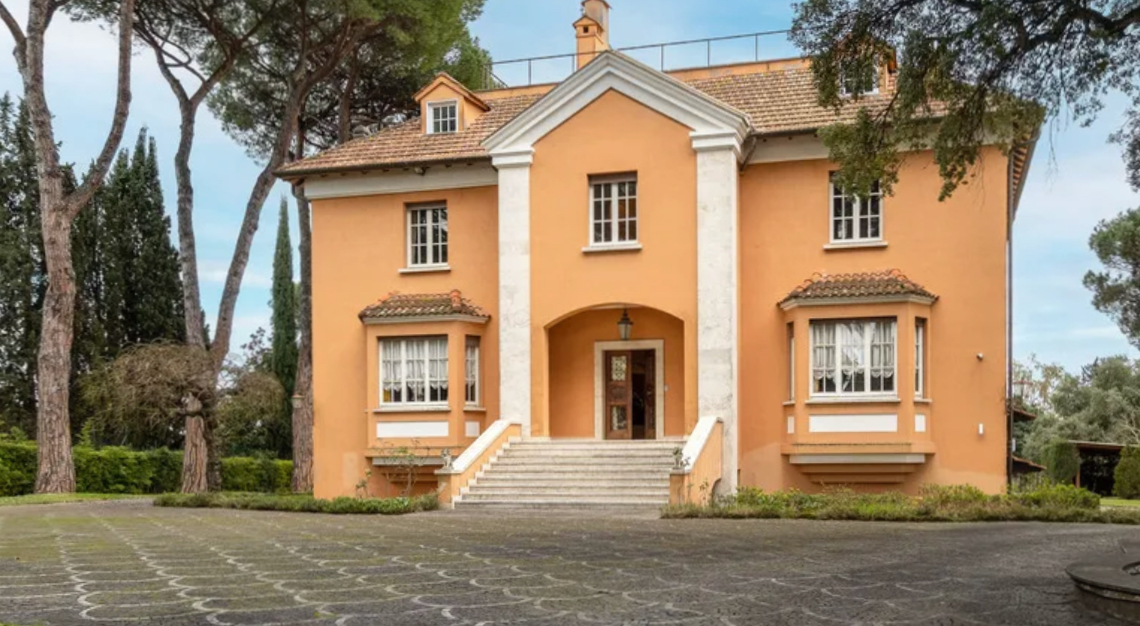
{"points": [[1058, 496], [126, 471], [950, 503], [301, 503], [1062, 461], [1127, 476]]}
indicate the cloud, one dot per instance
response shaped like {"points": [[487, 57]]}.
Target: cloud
{"points": [[212, 271]]}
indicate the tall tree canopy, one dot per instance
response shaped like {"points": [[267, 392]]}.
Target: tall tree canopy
{"points": [[1116, 288], [969, 72]]}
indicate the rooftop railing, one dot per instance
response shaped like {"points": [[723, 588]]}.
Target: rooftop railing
{"points": [[687, 54]]}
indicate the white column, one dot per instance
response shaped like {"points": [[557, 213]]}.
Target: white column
{"points": [[717, 263], [514, 285]]}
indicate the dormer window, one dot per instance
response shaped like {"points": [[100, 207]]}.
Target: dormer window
{"points": [[443, 117], [861, 82]]}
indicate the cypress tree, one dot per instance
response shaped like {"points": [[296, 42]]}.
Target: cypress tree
{"points": [[283, 355]]}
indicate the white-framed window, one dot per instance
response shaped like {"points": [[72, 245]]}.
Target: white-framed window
{"points": [[855, 218], [791, 362], [853, 357], [413, 371], [427, 235], [920, 358], [471, 372], [443, 117], [863, 83], [613, 209]]}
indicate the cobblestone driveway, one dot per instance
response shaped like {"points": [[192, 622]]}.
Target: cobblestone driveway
{"points": [[111, 561]]}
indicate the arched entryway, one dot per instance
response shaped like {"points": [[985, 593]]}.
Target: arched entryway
{"points": [[604, 386]]}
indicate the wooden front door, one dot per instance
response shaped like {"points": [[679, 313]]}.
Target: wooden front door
{"points": [[618, 394], [650, 393]]}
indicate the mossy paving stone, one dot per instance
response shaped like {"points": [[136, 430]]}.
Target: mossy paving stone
{"points": [[345, 596], [263, 602], [29, 591], [141, 585], [155, 612], [245, 589]]}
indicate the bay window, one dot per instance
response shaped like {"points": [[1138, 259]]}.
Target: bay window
{"points": [[413, 371], [853, 357]]}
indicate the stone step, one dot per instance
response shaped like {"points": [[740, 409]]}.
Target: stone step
{"points": [[595, 446], [577, 491], [513, 480], [472, 499], [598, 452], [511, 459], [591, 471]]}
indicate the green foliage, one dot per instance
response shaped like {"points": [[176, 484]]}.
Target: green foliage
{"points": [[261, 474], [250, 416], [936, 503], [968, 74], [1127, 475], [117, 470], [1116, 289], [283, 356], [1062, 461], [301, 503]]}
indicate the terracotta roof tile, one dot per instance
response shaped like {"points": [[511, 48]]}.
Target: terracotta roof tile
{"points": [[857, 285], [401, 305], [777, 101]]}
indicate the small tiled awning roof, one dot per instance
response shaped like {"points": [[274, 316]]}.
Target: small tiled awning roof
{"points": [[401, 306], [886, 283]]}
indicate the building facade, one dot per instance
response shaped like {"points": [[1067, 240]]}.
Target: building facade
{"points": [[640, 255]]}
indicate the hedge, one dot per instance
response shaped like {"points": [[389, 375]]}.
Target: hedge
{"points": [[122, 470], [300, 503], [1127, 477]]}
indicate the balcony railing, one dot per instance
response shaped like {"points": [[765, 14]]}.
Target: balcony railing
{"points": [[688, 54]]}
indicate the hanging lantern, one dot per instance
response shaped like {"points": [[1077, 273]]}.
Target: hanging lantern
{"points": [[625, 325]]}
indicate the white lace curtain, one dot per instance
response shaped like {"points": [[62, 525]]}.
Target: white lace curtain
{"points": [[414, 369]]}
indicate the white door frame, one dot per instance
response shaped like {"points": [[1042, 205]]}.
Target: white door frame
{"points": [[658, 347]]}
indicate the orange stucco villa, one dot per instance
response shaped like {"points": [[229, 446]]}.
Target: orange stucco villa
{"points": [[641, 286]]}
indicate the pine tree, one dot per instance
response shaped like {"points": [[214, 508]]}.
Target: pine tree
{"points": [[283, 357]]}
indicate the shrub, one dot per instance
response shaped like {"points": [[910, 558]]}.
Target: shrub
{"points": [[1058, 496], [1127, 476], [126, 471], [950, 503], [1062, 461], [301, 503]]}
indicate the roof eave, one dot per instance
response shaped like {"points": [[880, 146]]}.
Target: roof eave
{"points": [[793, 302]]}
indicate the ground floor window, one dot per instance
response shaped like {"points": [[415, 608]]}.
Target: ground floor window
{"points": [[853, 357], [413, 370], [471, 368]]}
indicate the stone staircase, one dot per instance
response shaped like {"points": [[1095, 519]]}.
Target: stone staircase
{"points": [[573, 473]]}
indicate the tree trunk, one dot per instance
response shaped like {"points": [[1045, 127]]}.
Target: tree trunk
{"points": [[56, 472], [187, 248], [303, 411], [194, 459]]}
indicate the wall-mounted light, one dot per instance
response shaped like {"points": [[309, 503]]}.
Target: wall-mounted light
{"points": [[625, 325], [298, 401]]}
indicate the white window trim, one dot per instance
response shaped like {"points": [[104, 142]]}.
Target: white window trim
{"points": [[469, 374], [439, 104], [919, 358], [426, 405], [792, 366], [817, 397], [411, 267], [616, 244], [856, 241], [874, 91]]}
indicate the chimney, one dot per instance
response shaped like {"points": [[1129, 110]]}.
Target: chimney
{"points": [[592, 31]]}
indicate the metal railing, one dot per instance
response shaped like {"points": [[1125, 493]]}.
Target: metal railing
{"points": [[493, 81]]}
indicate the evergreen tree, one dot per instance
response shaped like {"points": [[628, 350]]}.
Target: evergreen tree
{"points": [[283, 357], [22, 281]]}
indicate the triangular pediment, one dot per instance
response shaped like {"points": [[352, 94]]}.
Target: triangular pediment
{"points": [[703, 114]]}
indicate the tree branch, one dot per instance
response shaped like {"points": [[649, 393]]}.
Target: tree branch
{"points": [[79, 198], [14, 28]]}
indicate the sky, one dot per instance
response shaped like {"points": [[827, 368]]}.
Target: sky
{"points": [[1077, 177]]}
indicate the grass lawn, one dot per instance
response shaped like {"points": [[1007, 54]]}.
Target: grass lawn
{"points": [[56, 498], [1120, 502]]}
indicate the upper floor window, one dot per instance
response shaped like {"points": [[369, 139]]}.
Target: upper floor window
{"points": [[444, 117], [427, 235], [413, 370], [853, 357], [859, 82], [613, 206], [856, 218], [471, 372]]}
